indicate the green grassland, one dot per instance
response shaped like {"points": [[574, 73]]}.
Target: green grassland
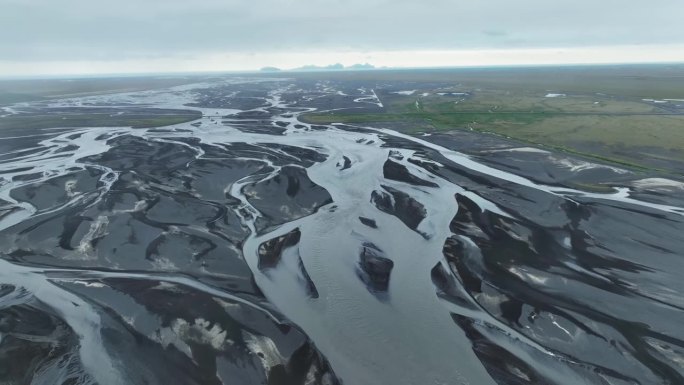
{"points": [[613, 127], [628, 81]]}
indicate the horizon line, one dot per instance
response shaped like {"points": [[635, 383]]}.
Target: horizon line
{"points": [[251, 62], [301, 70]]}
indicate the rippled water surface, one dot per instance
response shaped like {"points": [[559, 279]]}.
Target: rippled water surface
{"points": [[247, 247]]}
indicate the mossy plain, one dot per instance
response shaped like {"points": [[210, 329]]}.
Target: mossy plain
{"points": [[605, 113]]}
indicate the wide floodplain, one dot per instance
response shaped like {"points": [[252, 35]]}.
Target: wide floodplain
{"points": [[631, 115], [476, 226]]}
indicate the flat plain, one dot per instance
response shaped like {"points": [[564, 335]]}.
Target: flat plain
{"points": [[633, 115], [476, 226]]}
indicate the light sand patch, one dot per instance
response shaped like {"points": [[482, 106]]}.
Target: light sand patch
{"points": [[658, 184]]}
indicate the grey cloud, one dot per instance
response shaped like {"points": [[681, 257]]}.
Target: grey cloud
{"points": [[96, 30], [495, 33]]}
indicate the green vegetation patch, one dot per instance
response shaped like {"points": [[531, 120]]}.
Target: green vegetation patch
{"points": [[439, 121], [624, 131]]}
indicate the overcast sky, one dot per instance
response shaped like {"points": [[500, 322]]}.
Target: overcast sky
{"points": [[52, 36]]}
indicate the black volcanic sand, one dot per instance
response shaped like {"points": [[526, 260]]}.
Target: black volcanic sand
{"points": [[287, 196], [542, 167], [531, 299], [374, 269], [401, 205], [198, 339], [156, 255], [166, 212], [247, 97]]}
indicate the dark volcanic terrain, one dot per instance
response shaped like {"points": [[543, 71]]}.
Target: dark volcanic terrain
{"points": [[246, 246]]}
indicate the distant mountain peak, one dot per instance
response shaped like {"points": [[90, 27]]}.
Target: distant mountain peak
{"points": [[335, 67], [270, 69]]}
